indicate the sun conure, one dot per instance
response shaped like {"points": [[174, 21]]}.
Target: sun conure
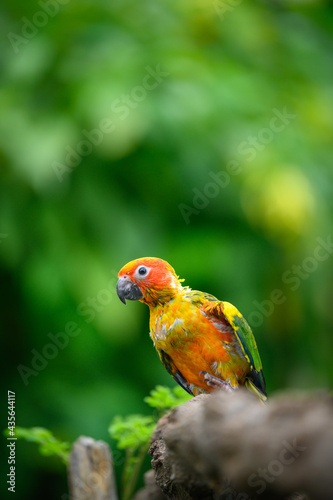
{"points": [[204, 343]]}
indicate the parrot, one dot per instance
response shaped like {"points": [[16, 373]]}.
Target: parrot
{"points": [[204, 343]]}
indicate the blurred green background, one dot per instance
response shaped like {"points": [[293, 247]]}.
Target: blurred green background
{"points": [[116, 117]]}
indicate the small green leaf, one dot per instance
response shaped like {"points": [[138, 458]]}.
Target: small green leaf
{"points": [[164, 398], [132, 431], [48, 444]]}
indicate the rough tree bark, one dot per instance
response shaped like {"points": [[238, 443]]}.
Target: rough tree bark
{"points": [[90, 471], [230, 446]]}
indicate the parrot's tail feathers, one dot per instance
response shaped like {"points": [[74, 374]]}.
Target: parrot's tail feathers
{"points": [[254, 389]]}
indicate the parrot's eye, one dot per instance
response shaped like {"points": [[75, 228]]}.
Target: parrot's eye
{"points": [[142, 271]]}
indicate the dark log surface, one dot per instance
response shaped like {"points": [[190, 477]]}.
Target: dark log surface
{"points": [[230, 446]]}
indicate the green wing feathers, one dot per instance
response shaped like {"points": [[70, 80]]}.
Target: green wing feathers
{"points": [[248, 344], [173, 371], [230, 315]]}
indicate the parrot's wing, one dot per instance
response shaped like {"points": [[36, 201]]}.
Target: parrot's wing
{"points": [[173, 371], [227, 312]]}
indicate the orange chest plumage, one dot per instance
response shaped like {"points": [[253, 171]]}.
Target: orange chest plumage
{"points": [[194, 341]]}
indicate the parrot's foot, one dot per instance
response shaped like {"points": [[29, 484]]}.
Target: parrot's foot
{"points": [[216, 382]]}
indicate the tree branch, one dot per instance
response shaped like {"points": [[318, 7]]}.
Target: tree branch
{"points": [[230, 446]]}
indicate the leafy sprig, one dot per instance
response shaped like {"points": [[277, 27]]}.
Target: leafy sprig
{"points": [[133, 433], [48, 444]]}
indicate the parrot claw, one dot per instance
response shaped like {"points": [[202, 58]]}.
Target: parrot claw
{"points": [[216, 382]]}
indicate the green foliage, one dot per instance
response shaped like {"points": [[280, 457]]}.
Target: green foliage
{"points": [[164, 398], [48, 444], [62, 241], [133, 432]]}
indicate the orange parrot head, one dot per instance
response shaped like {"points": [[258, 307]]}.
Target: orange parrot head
{"points": [[149, 280]]}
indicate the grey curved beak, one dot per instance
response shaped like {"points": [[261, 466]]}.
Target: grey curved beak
{"points": [[126, 289]]}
